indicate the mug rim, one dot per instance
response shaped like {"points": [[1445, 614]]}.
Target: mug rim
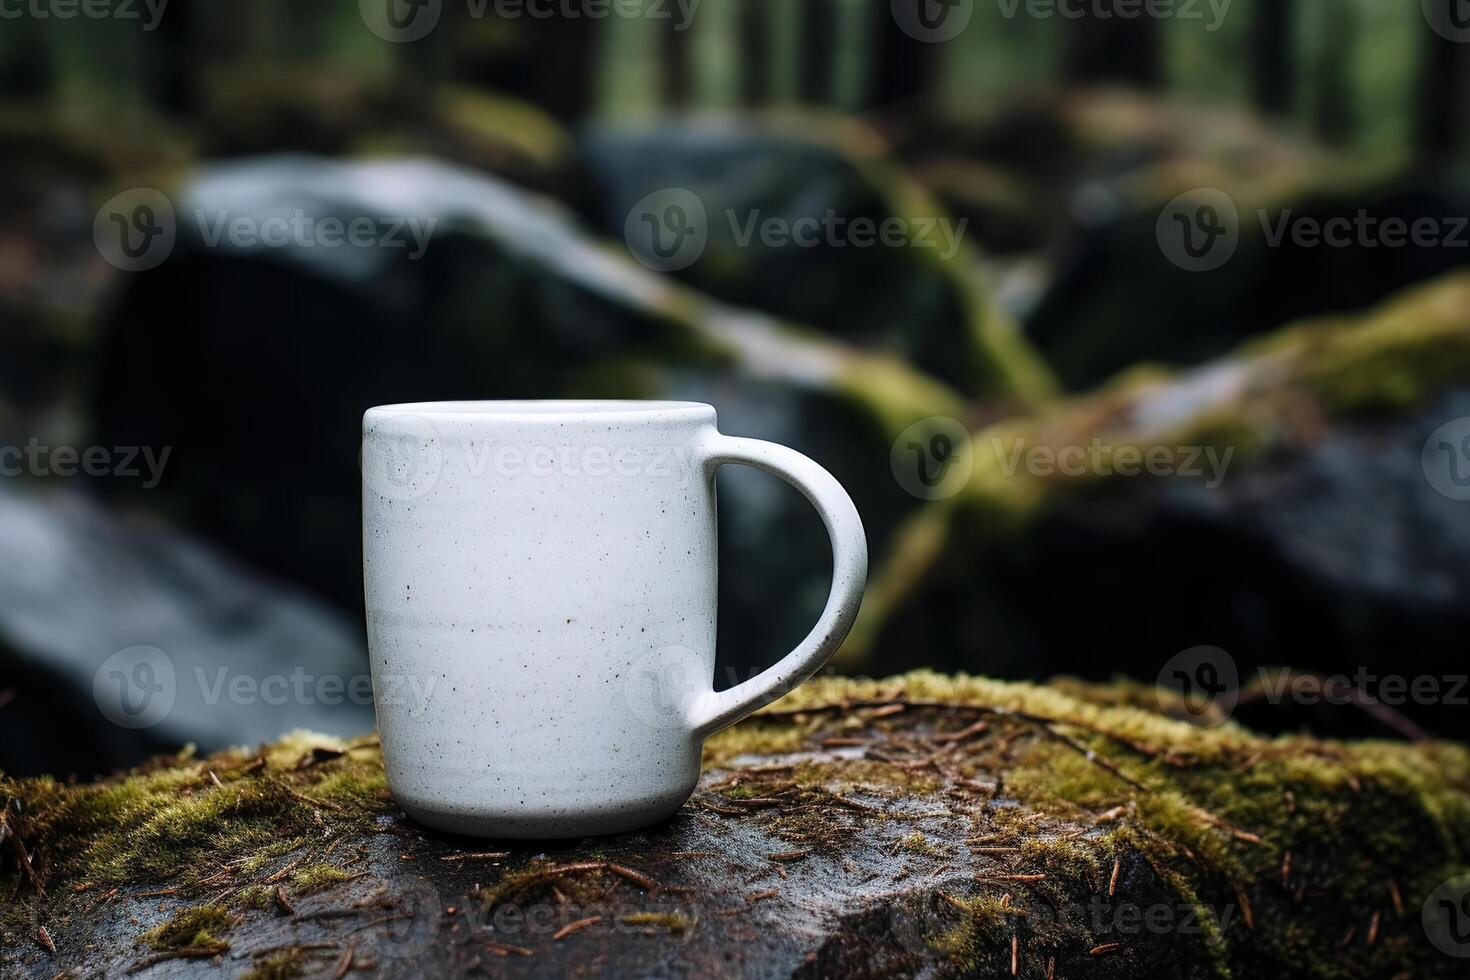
{"points": [[542, 409]]}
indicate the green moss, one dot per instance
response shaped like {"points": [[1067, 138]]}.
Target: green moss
{"points": [[984, 919], [170, 819], [256, 896], [266, 853], [1395, 360], [754, 739], [1163, 813], [193, 928], [285, 965], [893, 394], [1219, 813], [318, 877], [476, 115], [917, 843]]}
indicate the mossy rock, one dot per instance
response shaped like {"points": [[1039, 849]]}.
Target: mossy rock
{"points": [[924, 301], [922, 825], [1292, 520], [510, 298], [1092, 173]]}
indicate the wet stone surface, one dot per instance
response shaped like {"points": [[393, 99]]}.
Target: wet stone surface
{"points": [[852, 831]]}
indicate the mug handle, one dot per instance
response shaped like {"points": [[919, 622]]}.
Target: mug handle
{"points": [[714, 710]]}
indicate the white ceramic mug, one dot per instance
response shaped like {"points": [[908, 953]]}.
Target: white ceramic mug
{"points": [[540, 582]]}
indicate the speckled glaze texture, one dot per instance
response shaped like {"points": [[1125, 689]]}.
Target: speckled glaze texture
{"points": [[540, 581]]}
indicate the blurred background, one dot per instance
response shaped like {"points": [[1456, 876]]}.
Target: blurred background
{"points": [[1139, 331]]}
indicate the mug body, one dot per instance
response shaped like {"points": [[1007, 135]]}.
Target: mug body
{"points": [[540, 581]]}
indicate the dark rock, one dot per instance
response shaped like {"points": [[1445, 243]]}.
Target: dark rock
{"points": [[1118, 298], [922, 303], [1332, 540], [119, 640], [1082, 180], [256, 363]]}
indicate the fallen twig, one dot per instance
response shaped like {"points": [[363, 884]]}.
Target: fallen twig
{"points": [[574, 927]]}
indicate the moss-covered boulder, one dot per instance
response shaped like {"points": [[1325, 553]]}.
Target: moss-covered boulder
{"points": [[1285, 503], [924, 825], [255, 363], [1087, 184], [790, 208]]}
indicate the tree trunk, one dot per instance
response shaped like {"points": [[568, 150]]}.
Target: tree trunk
{"points": [[25, 62], [677, 68], [1273, 56], [567, 55], [818, 41], [1112, 50], [1333, 118], [755, 52], [551, 62], [423, 64], [902, 69], [1443, 123], [172, 81]]}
